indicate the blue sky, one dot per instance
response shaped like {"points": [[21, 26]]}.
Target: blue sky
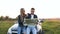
{"points": [[43, 8]]}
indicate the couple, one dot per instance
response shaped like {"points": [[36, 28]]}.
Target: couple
{"points": [[21, 27]]}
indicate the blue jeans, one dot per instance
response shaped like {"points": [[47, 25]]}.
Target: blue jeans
{"points": [[31, 28], [21, 28]]}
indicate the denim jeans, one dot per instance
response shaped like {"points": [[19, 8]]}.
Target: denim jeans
{"points": [[21, 28], [31, 28]]}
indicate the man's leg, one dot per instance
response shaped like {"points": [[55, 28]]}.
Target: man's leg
{"points": [[28, 30], [34, 31], [19, 30]]}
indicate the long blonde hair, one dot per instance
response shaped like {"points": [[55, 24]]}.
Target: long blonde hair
{"points": [[22, 11]]}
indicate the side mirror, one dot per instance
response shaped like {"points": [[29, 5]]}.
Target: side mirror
{"points": [[41, 20]]}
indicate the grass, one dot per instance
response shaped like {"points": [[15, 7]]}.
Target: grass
{"points": [[4, 25], [49, 27]]}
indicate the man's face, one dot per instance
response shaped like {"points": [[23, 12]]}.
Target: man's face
{"points": [[32, 11]]}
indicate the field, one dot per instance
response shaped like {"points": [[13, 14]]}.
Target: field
{"points": [[4, 25], [49, 27]]}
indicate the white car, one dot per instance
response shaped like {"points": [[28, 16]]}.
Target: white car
{"points": [[13, 28]]}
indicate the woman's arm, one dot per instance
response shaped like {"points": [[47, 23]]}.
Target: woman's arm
{"points": [[19, 21]]}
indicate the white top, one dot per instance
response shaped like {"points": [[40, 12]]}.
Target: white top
{"points": [[32, 16]]}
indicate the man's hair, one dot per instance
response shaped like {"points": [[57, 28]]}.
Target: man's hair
{"points": [[32, 8]]}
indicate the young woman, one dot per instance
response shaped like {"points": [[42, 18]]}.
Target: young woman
{"points": [[21, 20]]}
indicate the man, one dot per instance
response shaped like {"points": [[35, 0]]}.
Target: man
{"points": [[31, 27]]}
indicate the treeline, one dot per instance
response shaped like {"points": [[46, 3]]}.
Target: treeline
{"points": [[7, 18]]}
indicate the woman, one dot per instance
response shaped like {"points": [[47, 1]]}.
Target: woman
{"points": [[21, 20]]}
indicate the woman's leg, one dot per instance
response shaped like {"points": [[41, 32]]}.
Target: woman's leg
{"points": [[24, 30], [19, 29]]}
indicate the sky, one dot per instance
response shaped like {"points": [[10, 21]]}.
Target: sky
{"points": [[43, 8]]}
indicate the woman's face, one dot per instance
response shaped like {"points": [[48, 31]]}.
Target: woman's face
{"points": [[22, 11]]}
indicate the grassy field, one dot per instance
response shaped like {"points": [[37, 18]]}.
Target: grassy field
{"points": [[49, 27], [4, 25]]}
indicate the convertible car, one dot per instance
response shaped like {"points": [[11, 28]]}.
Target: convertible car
{"points": [[13, 28]]}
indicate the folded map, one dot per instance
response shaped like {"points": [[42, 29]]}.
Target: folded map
{"points": [[30, 21]]}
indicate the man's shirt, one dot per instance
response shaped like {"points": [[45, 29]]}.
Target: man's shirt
{"points": [[32, 16]]}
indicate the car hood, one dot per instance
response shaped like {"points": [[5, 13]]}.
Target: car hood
{"points": [[14, 27]]}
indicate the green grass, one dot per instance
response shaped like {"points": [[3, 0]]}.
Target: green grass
{"points": [[49, 27], [4, 25]]}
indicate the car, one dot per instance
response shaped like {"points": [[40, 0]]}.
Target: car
{"points": [[13, 28]]}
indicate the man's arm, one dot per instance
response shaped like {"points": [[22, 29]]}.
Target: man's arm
{"points": [[28, 16]]}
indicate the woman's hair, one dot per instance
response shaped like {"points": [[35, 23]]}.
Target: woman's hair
{"points": [[22, 11]]}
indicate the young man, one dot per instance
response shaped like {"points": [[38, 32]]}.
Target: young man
{"points": [[31, 27]]}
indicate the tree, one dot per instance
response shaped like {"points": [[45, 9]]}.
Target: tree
{"points": [[7, 17], [1, 18]]}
